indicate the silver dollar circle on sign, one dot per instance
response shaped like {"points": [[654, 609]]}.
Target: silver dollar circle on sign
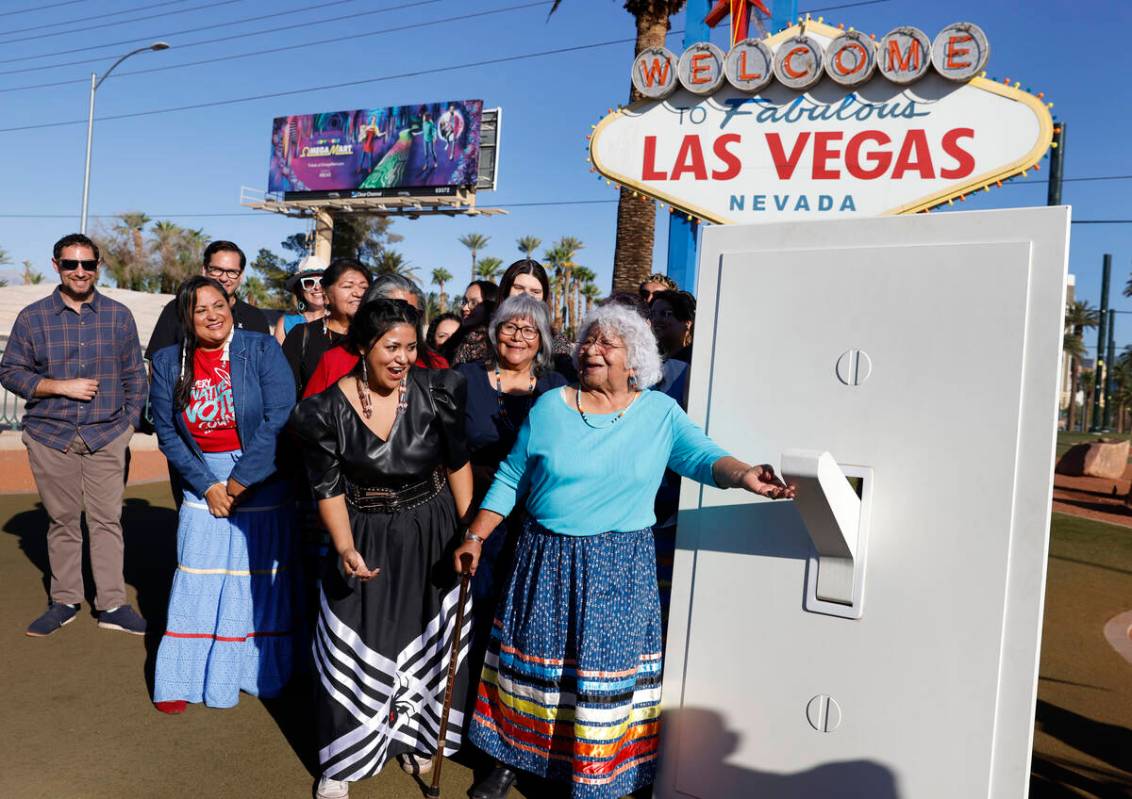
{"points": [[798, 63], [960, 51], [749, 65], [654, 73], [904, 55], [850, 59], [700, 69]]}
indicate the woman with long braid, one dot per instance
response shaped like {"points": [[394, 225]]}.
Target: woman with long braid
{"points": [[219, 400]]}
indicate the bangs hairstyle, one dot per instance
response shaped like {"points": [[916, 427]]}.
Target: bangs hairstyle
{"points": [[376, 318], [186, 301], [641, 353], [527, 266], [339, 267], [524, 307]]}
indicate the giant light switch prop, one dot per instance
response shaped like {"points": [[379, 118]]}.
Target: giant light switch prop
{"points": [[921, 353]]}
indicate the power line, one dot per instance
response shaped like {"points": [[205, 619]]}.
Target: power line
{"points": [[39, 8], [182, 46], [303, 45], [310, 89], [97, 16], [170, 34]]}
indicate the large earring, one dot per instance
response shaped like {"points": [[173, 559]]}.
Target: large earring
{"points": [[184, 351], [632, 380], [302, 306], [363, 391]]}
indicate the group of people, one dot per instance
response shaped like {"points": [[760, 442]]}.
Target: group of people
{"points": [[489, 445]]}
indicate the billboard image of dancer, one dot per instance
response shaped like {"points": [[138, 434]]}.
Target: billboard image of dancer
{"points": [[377, 151]]}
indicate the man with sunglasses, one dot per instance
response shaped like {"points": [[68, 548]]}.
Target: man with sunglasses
{"points": [[75, 357], [224, 262]]}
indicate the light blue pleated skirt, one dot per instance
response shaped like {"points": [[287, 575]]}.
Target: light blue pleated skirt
{"points": [[230, 625]]}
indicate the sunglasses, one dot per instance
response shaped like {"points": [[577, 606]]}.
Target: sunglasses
{"points": [[311, 283], [71, 264]]}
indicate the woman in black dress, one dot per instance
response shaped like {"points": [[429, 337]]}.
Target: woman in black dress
{"points": [[388, 463], [343, 284]]}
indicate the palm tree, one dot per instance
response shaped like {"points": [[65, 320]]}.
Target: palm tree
{"points": [[528, 245], [568, 247], [31, 276], [1078, 317], [488, 268], [1122, 387], [591, 292], [432, 307], [474, 242], [636, 216], [556, 258], [391, 262], [582, 277], [440, 276]]}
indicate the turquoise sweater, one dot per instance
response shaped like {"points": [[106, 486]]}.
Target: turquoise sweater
{"points": [[583, 481]]}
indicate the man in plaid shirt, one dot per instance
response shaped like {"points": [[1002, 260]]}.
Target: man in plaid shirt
{"points": [[75, 357]]}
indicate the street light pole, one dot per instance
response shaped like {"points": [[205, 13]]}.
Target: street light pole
{"points": [[95, 82]]}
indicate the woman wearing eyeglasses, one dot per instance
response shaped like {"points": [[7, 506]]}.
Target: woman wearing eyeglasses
{"points": [[501, 393], [344, 283], [309, 299], [570, 687]]}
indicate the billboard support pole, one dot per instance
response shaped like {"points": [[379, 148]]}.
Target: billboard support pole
{"points": [[323, 235]]}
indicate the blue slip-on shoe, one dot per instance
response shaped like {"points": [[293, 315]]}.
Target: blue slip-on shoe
{"points": [[122, 618], [56, 615]]}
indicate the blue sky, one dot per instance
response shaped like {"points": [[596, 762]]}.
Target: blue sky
{"points": [[188, 166]]}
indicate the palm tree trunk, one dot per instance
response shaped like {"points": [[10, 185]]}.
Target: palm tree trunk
{"points": [[1074, 377], [636, 216]]}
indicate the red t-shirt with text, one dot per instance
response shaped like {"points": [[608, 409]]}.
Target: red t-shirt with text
{"points": [[211, 414]]}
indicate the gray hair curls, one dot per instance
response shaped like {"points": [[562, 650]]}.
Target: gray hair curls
{"points": [[524, 306], [641, 354]]}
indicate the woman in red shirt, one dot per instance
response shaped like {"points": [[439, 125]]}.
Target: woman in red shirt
{"points": [[340, 360]]}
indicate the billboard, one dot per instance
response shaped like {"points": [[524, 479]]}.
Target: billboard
{"points": [[406, 150]]}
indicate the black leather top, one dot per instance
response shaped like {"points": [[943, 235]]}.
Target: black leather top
{"points": [[337, 444]]}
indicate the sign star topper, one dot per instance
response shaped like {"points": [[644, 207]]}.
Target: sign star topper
{"points": [[740, 13]]}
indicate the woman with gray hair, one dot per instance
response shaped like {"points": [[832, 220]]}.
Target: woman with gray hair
{"points": [[570, 686], [501, 393]]}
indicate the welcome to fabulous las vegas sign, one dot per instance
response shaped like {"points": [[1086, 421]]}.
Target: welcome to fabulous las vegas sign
{"points": [[817, 121]]}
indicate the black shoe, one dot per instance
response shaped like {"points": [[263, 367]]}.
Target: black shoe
{"points": [[495, 785], [56, 615]]}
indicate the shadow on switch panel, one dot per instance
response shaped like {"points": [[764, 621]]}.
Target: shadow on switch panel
{"points": [[705, 743]]}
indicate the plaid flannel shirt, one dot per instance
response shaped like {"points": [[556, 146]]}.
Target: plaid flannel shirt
{"points": [[51, 340]]}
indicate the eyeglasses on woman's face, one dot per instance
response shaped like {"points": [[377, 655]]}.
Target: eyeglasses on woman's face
{"points": [[525, 332], [313, 284]]}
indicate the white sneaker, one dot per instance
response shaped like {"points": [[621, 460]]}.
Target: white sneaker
{"points": [[332, 789], [414, 763]]}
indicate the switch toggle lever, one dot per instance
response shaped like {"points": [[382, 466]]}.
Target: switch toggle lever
{"points": [[836, 520]]}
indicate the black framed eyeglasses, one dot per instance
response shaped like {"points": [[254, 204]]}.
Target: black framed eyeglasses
{"points": [[71, 264], [526, 332], [216, 272]]}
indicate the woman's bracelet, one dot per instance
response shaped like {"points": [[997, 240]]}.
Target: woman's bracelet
{"points": [[470, 536]]}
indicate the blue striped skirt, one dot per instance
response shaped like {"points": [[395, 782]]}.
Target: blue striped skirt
{"points": [[229, 625], [570, 688]]}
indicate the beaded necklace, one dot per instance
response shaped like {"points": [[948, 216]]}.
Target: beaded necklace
{"points": [[364, 391], [616, 419], [503, 415]]}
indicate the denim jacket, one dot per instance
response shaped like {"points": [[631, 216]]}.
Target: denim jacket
{"points": [[263, 391]]}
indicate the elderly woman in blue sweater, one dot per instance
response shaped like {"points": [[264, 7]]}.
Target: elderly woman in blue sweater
{"points": [[570, 689]]}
